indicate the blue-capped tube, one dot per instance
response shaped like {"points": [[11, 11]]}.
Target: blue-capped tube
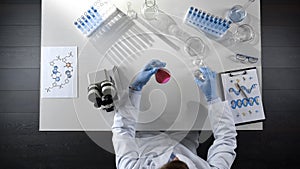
{"points": [[87, 29], [190, 12], [96, 18], [216, 24], [198, 21], [219, 28], [87, 22], [194, 14], [79, 27], [203, 19], [96, 12], [90, 19]]}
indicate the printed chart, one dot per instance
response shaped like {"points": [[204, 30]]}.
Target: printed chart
{"points": [[59, 74], [241, 89]]}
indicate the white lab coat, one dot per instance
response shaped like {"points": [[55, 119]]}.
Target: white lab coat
{"points": [[135, 151]]}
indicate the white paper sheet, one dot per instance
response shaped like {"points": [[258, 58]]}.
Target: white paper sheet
{"points": [[59, 72], [246, 102]]}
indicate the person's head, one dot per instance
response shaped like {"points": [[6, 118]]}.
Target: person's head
{"points": [[175, 164]]}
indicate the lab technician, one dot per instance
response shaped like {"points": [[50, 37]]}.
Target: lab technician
{"points": [[160, 151]]}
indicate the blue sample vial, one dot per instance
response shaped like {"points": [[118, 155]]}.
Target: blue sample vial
{"points": [[86, 28], [93, 16], [90, 19], [79, 27], [87, 22], [190, 12], [95, 12]]}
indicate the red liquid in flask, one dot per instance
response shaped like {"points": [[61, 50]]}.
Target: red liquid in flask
{"points": [[162, 76]]}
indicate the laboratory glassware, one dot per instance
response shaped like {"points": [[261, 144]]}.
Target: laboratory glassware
{"points": [[162, 75], [149, 9], [215, 26], [130, 12], [244, 33], [194, 46], [238, 13]]}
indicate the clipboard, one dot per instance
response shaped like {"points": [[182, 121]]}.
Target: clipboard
{"points": [[241, 90]]}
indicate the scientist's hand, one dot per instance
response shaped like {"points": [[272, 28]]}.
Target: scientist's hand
{"points": [[209, 85], [144, 76]]}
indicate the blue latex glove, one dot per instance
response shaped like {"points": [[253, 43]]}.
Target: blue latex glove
{"points": [[209, 85], [144, 76]]}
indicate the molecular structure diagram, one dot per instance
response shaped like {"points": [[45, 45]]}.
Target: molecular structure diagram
{"points": [[61, 72]]}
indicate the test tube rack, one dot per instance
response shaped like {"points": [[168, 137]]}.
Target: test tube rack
{"points": [[206, 22], [94, 17]]}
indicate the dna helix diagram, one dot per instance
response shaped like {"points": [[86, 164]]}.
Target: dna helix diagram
{"points": [[237, 92], [245, 102]]}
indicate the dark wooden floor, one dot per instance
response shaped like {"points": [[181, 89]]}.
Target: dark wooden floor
{"points": [[23, 146]]}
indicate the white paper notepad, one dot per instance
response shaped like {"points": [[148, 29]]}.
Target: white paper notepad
{"points": [[241, 89], [59, 72]]}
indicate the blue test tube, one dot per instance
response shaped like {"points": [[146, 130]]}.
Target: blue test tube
{"points": [[206, 21], [224, 26], [79, 27], [198, 21], [86, 28], [93, 16], [211, 21], [87, 22], [96, 13], [194, 15], [220, 24], [90, 19], [228, 24], [190, 13], [216, 23], [199, 17], [203, 18]]}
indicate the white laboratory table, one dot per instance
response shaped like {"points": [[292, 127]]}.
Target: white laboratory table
{"points": [[177, 105]]}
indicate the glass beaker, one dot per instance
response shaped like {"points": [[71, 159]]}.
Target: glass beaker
{"points": [[130, 12], [194, 46], [238, 13], [149, 9], [244, 33]]}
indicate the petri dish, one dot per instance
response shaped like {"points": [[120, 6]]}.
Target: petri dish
{"points": [[244, 33]]}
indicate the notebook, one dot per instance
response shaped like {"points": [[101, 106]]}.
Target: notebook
{"points": [[242, 91]]}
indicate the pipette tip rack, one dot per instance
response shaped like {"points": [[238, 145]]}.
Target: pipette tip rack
{"points": [[94, 17], [206, 22]]}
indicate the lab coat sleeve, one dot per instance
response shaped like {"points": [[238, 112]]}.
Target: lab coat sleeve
{"points": [[221, 154], [124, 142]]}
